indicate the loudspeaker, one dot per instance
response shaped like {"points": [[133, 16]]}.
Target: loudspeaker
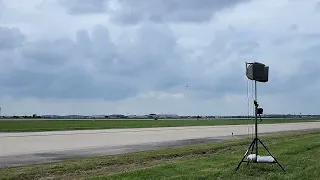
{"points": [[258, 72]]}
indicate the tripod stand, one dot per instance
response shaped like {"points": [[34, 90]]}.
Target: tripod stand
{"points": [[255, 158]]}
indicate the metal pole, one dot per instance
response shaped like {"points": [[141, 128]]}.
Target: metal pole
{"points": [[256, 118]]}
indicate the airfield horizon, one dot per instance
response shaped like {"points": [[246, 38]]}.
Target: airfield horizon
{"points": [[33, 125]]}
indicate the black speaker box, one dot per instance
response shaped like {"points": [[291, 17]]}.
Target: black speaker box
{"points": [[258, 72]]}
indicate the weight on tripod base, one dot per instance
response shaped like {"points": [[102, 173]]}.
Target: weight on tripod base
{"points": [[260, 159], [257, 72], [256, 158]]}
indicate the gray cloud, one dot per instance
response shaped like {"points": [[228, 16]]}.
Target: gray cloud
{"points": [[151, 58], [170, 11], [94, 66], [10, 38], [308, 73], [293, 27], [305, 77], [25, 83], [162, 56], [48, 53], [1, 7], [59, 68], [220, 69], [317, 7], [83, 6], [133, 12]]}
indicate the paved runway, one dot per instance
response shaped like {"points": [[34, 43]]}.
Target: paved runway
{"points": [[37, 147]]}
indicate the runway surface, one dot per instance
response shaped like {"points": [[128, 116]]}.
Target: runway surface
{"points": [[37, 147]]}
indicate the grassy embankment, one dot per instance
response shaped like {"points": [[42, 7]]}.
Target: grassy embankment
{"points": [[53, 125], [297, 152]]}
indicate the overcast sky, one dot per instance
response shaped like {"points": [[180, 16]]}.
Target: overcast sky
{"points": [[157, 56]]}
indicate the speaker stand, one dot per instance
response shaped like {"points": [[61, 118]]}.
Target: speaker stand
{"points": [[256, 140]]}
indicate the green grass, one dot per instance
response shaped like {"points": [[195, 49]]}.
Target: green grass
{"points": [[297, 152], [52, 125]]}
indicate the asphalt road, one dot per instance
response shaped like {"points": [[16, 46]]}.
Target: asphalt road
{"points": [[26, 148]]}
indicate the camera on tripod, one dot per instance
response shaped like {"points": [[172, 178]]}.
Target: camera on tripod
{"points": [[259, 111]]}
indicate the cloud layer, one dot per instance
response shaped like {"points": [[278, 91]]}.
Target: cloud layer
{"points": [[136, 57]]}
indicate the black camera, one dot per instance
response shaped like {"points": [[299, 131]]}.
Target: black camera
{"points": [[259, 111]]}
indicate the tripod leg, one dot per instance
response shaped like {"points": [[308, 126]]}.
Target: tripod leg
{"points": [[254, 143], [271, 155], [245, 155]]}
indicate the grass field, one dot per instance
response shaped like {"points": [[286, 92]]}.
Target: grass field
{"points": [[52, 125], [297, 152]]}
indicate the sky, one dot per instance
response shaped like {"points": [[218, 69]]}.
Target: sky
{"points": [[183, 57]]}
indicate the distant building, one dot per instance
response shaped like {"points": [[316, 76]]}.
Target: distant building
{"points": [[117, 116], [168, 116], [98, 116]]}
